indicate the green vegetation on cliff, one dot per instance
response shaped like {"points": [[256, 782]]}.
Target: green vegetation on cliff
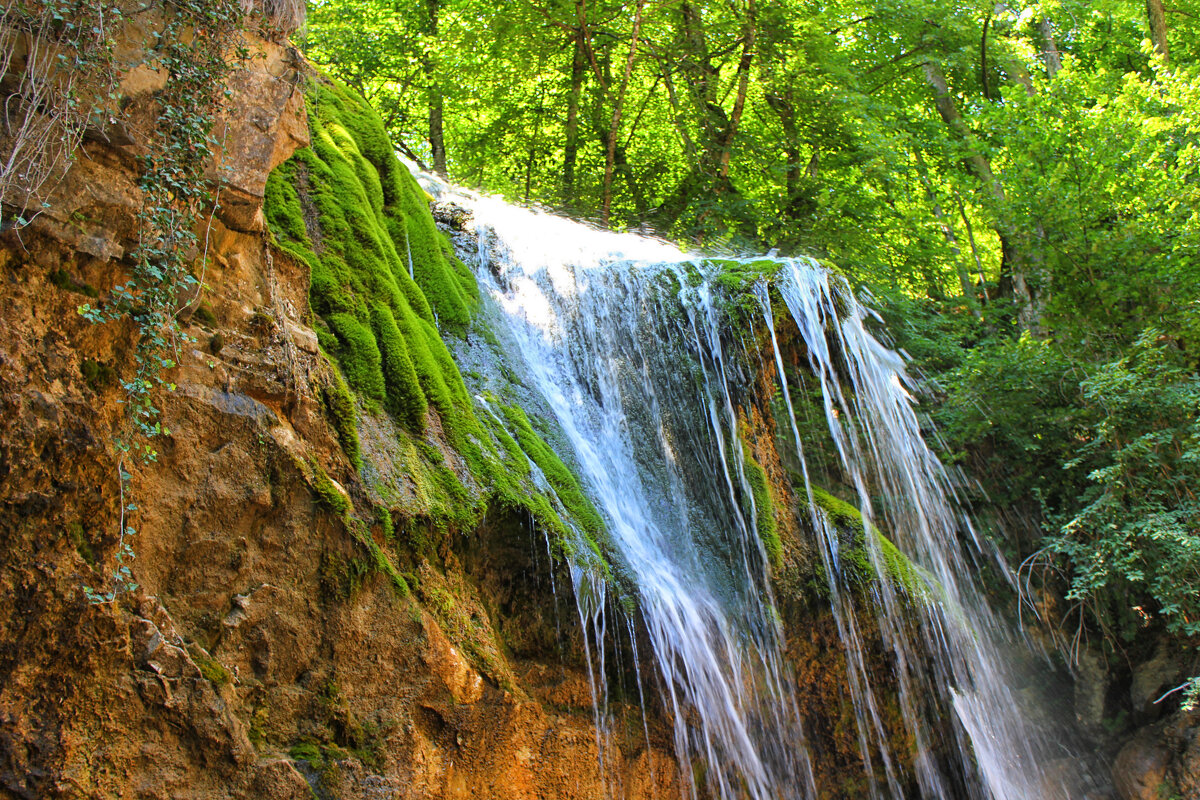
{"points": [[896, 566], [384, 287], [344, 207], [764, 507]]}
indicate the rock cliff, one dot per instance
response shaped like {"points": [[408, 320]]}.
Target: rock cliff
{"points": [[271, 649]]}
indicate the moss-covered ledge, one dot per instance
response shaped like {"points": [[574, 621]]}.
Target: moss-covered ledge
{"points": [[897, 567]]}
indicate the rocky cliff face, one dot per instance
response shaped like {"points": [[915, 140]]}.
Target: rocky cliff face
{"points": [[266, 653]]}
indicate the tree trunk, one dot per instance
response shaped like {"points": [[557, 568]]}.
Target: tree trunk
{"points": [[621, 165], [962, 211], [964, 277], [1016, 256], [703, 84], [783, 109], [1021, 75], [749, 30], [1050, 52], [571, 147], [1158, 28], [437, 139], [614, 129], [948, 111], [678, 117]]}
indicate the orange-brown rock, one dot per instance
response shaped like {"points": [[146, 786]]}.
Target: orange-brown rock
{"points": [[252, 661]]}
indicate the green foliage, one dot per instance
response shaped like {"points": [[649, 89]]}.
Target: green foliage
{"points": [[1132, 538], [1102, 452], [175, 192], [1021, 395], [1106, 165]]}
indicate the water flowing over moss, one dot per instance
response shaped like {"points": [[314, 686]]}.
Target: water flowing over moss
{"points": [[764, 507], [897, 567]]}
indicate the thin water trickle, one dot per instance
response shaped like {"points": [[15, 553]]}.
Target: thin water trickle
{"points": [[624, 341]]}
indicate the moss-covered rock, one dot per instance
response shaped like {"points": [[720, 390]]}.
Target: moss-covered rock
{"points": [[382, 278], [897, 567], [384, 288], [566, 486], [339, 406], [764, 507]]}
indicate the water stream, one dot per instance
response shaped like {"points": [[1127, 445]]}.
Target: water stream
{"points": [[627, 342]]}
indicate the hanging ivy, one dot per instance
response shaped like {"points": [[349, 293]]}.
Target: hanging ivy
{"points": [[198, 48]]}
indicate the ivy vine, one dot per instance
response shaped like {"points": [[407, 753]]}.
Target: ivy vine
{"points": [[198, 48]]}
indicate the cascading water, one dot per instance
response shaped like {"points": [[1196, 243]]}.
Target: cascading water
{"points": [[624, 341]]}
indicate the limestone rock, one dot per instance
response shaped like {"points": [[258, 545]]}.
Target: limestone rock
{"points": [[1091, 691], [261, 126], [1151, 679], [240, 570]]}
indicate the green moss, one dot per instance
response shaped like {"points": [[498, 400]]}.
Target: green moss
{"points": [[204, 315], [328, 495], [565, 484], [381, 563], [359, 356], [307, 751], [841, 513], [901, 569], [384, 287], [97, 375], [405, 399], [339, 406], [733, 281], [63, 280], [341, 577], [322, 759], [897, 567], [212, 670], [764, 507], [384, 519], [79, 539], [256, 729], [382, 279]]}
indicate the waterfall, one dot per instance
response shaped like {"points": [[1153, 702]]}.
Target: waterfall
{"points": [[625, 344]]}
